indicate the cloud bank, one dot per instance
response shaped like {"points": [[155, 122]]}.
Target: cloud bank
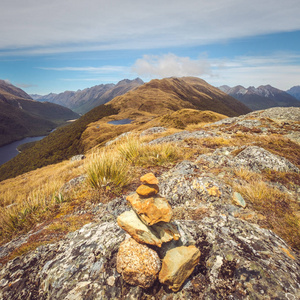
{"points": [[38, 26], [169, 65]]}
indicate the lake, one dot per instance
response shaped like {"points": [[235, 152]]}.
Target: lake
{"points": [[120, 122], [9, 151]]}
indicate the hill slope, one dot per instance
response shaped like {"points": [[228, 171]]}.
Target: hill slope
{"points": [[171, 94], [262, 97], [233, 189], [20, 116], [83, 101]]}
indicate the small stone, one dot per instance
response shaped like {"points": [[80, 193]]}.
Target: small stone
{"points": [[238, 200], [149, 178], [178, 265], [154, 235], [138, 264], [147, 190], [111, 280], [151, 210]]}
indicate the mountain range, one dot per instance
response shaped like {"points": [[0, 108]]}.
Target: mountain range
{"points": [[21, 116], [83, 101], [263, 97]]}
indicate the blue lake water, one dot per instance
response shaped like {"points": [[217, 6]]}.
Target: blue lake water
{"points": [[9, 151], [120, 122]]}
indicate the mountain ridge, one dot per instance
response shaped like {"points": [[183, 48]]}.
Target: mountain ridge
{"points": [[262, 97], [82, 101], [171, 94], [294, 91]]}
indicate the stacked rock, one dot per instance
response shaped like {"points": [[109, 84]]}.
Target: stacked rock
{"points": [[149, 223]]}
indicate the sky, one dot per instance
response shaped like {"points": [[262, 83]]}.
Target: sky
{"points": [[53, 46]]}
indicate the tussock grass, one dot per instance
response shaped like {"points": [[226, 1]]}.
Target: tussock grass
{"points": [[141, 154], [280, 210], [107, 167]]}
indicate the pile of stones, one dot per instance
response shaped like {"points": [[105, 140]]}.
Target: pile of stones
{"points": [[148, 223]]}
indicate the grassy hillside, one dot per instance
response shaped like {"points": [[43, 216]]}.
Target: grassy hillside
{"points": [[171, 94], [58, 146]]}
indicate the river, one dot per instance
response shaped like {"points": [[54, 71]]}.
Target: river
{"points": [[9, 151]]}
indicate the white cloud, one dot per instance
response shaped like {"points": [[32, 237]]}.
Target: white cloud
{"points": [[40, 26], [168, 65], [281, 70]]}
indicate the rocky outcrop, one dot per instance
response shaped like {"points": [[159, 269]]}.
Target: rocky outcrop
{"points": [[180, 136], [256, 158], [239, 260]]}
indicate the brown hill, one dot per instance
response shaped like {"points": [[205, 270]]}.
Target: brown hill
{"points": [[171, 94], [20, 116], [10, 91]]}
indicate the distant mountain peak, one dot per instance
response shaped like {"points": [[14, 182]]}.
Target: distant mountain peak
{"points": [[262, 97], [294, 91]]}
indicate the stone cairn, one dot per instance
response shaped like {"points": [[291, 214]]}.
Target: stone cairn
{"points": [[149, 223]]}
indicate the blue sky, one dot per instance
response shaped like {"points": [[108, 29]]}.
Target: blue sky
{"points": [[53, 46]]}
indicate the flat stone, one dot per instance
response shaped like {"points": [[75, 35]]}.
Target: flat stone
{"points": [[149, 178], [151, 210], [154, 235], [147, 190], [238, 200], [178, 265], [138, 264]]}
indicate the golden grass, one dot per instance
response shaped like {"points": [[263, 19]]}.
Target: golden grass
{"points": [[49, 234], [280, 210], [184, 118], [31, 197], [107, 167], [136, 152]]}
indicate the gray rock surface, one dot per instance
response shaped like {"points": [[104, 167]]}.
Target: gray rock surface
{"points": [[256, 158], [77, 157], [180, 136], [238, 260], [153, 130]]}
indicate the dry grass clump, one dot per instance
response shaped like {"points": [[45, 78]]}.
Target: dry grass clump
{"points": [[280, 210], [107, 167], [138, 153]]}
